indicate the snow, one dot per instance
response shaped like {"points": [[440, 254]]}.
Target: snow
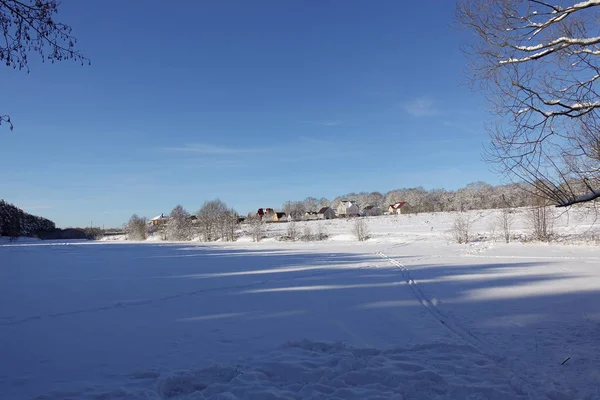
{"points": [[405, 315]]}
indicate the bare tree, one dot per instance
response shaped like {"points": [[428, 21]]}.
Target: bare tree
{"points": [[179, 225], [307, 234], [294, 209], [538, 62], [541, 219], [376, 199], [323, 202], [360, 229], [136, 228], [257, 228], [461, 228], [161, 230], [505, 220], [287, 208], [29, 26], [311, 204], [230, 224], [208, 219], [292, 231], [321, 232], [217, 221]]}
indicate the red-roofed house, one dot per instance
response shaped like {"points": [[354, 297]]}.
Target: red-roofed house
{"points": [[400, 207]]}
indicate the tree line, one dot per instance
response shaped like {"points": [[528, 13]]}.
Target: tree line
{"points": [[213, 221], [216, 221], [475, 196], [15, 222]]}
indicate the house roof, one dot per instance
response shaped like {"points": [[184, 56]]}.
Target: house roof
{"points": [[369, 208], [398, 204], [158, 217], [323, 210], [280, 214]]}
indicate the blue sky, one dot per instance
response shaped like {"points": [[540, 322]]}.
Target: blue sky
{"points": [[254, 103]]}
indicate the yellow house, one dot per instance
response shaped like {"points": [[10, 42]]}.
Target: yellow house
{"points": [[159, 220], [280, 217]]}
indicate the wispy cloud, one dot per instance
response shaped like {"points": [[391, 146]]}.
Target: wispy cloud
{"points": [[205, 148], [420, 107], [336, 122], [216, 156], [310, 141], [215, 164], [331, 122]]}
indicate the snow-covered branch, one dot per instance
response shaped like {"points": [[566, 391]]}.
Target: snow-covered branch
{"points": [[579, 199], [549, 48], [557, 14]]}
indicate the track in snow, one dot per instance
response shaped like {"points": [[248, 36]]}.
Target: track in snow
{"points": [[453, 326]]}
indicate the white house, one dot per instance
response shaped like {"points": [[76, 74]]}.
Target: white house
{"points": [[311, 215], [370, 211], [348, 208]]}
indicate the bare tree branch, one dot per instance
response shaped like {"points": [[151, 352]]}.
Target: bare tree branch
{"points": [[539, 65], [28, 26]]}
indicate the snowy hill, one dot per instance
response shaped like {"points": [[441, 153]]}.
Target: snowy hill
{"points": [[576, 225], [407, 314]]}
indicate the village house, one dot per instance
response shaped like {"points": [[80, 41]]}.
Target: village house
{"points": [[280, 217], [311, 215], [348, 208], [370, 211], [326, 213], [400, 207], [269, 214], [158, 220], [265, 213]]}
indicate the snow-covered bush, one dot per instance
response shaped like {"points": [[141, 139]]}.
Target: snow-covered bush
{"points": [[461, 228], [360, 229], [505, 221], [307, 235], [136, 228], [292, 231], [179, 225], [257, 228], [321, 233], [541, 218], [217, 221]]}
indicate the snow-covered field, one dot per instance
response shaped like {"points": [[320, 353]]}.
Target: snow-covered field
{"points": [[405, 315]]}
